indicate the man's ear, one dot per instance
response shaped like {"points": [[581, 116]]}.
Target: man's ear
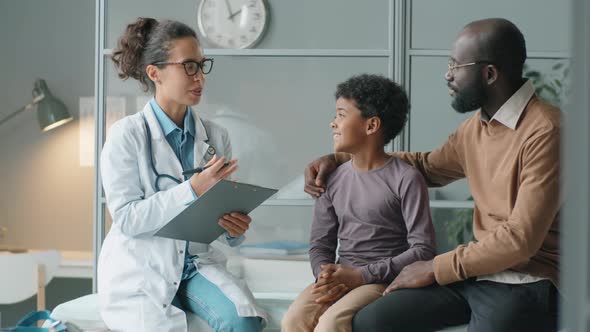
{"points": [[153, 73], [491, 73], [373, 125]]}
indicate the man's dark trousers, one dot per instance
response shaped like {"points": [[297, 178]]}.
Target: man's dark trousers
{"points": [[485, 305]]}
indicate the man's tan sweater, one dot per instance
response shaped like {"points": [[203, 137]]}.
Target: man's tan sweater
{"points": [[513, 175]]}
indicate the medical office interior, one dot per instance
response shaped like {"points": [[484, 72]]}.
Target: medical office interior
{"points": [[275, 97]]}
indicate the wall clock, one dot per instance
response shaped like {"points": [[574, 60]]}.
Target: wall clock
{"points": [[233, 23]]}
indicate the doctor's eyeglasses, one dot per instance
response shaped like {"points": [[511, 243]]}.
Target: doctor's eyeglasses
{"points": [[191, 67]]}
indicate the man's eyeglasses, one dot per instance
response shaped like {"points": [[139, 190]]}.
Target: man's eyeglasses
{"points": [[191, 67], [454, 65]]}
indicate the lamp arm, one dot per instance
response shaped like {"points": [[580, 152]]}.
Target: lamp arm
{"points": [[36, 100]]}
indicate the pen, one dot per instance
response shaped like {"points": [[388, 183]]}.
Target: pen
{"points": [[199, 169]]}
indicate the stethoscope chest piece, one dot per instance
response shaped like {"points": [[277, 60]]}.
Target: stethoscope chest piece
{"points": [[208, 154]]}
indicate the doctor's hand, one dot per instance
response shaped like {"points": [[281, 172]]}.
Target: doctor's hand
{"points": [[201, 182], [235, 223], [318, 170]]}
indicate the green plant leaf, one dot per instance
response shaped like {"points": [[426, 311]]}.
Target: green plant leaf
{"points": [[551, 90], [539, 89], [533, 74]]}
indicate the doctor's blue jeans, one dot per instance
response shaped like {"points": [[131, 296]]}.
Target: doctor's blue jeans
{"points": [[206, 300]]}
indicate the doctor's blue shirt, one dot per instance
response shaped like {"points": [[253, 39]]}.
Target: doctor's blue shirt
{"points": [[182, 142]]}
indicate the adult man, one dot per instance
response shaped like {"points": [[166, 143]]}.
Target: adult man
{"points": [[509, 151]]}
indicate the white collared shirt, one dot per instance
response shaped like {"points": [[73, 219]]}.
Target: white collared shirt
{"points": [[509, 113]]}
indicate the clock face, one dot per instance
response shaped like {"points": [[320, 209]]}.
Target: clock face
{"points": [[232, 23]]}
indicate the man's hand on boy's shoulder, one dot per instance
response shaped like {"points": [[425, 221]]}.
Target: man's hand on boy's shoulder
{"points": [[416, 275], [316, 173]]}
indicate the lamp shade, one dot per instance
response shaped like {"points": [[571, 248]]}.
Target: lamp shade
{"points": [[51, 112]]}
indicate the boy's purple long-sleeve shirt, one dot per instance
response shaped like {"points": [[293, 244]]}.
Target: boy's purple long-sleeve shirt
{"points": [[381, 218]]}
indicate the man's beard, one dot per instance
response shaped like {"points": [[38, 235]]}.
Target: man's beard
{"points": [[470, 98]]}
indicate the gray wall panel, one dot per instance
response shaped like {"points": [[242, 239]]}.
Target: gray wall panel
{"points": [[435, 24], [46, 195], [293, 24]]}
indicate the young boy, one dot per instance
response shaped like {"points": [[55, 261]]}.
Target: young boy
{"points": [[375, 208]]}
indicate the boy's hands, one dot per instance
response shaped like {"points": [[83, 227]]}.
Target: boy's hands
{"points": [[335, 281], [349, 276], [331, 291]]}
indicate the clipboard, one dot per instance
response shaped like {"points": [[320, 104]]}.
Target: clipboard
{"points": [[198, 222]]}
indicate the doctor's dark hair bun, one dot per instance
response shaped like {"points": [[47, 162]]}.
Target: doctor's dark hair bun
{"points": [[145, 42]]}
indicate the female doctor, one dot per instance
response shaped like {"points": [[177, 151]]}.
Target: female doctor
{"points": [[145, 282]]}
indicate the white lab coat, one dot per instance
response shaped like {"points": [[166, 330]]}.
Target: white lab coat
{"points": [[139, 273]]}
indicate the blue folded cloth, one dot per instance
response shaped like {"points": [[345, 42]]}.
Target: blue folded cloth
{"points": [[275, 248]]}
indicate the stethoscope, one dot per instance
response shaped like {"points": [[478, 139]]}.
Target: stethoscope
{"points": [[210, 153]]}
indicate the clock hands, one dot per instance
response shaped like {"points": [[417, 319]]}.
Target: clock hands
{"points": [[229, 11], [234, 14]]}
